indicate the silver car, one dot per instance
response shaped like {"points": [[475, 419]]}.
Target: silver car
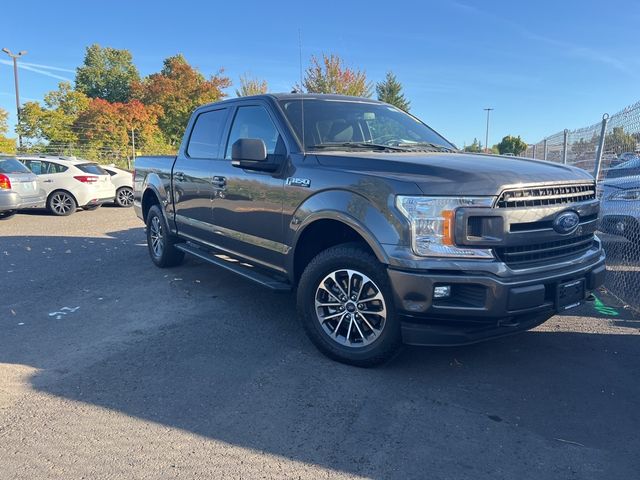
{"points": [[620, 207], [19, 188]]}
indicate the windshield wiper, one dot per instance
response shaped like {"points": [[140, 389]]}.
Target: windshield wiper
{"points": [[421, 146], [359, 146]]}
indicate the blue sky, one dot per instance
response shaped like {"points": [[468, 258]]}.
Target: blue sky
{"points": [[544, 66]]}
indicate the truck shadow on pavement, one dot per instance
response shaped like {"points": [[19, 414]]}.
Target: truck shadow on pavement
{"points": [[197, 349]]}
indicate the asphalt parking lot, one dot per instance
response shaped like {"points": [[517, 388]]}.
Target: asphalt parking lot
{"points": [[112, 368]]}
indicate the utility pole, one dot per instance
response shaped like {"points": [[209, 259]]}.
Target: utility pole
{"points": [[486, 137], [15, 57]]}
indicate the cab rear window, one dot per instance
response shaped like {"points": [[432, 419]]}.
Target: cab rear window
{"points": [[92, 168], [11, 165]]}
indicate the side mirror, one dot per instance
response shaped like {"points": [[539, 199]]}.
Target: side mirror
{"points": [[251, 154], [250, 149]]}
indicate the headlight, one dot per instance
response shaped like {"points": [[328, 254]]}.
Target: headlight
{"points": [[628, 195], [432, 225]]}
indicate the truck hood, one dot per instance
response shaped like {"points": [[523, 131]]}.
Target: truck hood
{"points": [[454, 173]]}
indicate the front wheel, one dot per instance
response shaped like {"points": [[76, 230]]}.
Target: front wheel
{"points": [[160, 242], [346, 306]]}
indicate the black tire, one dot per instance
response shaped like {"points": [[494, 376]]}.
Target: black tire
{"points": [[124, 197], [7, 214], [339, 260], [61, 203], [160, 242], [91, 208]]}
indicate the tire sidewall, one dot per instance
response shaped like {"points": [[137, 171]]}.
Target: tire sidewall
{"points": [[318, 269]]}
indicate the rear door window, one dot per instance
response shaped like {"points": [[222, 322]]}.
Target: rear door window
{"points": [[206, 134]]}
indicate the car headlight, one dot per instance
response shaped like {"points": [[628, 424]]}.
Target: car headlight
{"points": [[628, 195], [432, 224]]}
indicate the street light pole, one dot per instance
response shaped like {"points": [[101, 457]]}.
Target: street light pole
{"points": [[15, 57], [486, 138]]}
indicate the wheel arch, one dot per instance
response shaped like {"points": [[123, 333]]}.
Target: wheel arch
{"points": [[327, 229]]}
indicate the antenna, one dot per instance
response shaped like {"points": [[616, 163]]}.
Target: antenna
{"points": [[300, 89]]}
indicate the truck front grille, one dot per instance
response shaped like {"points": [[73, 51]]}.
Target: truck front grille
{"points": [[522, 256], [546, 196]]}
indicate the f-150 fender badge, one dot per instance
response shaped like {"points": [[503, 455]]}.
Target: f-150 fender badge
{"points": [[299, 182]]}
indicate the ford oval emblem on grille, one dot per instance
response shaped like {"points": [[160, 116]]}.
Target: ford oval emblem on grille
{"points": [[566, 222]]}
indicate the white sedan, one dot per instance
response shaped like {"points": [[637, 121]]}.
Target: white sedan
{"points": [[71, 183], [123, 181]]}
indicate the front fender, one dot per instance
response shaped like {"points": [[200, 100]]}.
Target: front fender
{"points": [[376, 224]]}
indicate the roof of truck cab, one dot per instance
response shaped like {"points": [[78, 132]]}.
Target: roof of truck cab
{"points": [[296, 96]]}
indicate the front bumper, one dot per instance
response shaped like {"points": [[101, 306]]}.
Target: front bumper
{"points": [[482, 305]]}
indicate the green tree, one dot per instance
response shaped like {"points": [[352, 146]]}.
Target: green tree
{"points": [[179, 88], [7, 145], [53, 125], [251, 86], [511, 144], [475, 147], [619, 142], [331, 75], [390, 91], [107, 73]]}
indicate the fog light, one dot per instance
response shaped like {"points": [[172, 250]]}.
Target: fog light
{"points": [[442, 291]]}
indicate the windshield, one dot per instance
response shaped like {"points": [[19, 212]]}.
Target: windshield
{"points": [[341, 123], [11, 165]]}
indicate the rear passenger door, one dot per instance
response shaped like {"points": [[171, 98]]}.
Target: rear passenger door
{"points": [[49, 178], [193, 174]]}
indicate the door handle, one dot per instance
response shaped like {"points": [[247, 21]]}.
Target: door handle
{"points": [[220, 182], [179, 176], [47, 181]]}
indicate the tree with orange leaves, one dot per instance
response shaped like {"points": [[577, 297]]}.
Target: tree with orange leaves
{"points": [[179, 88], [331, 75]]}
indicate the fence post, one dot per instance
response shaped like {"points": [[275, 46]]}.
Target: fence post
{"points": [[564, 146], [600, 151], [544, 156], [534, 151]]}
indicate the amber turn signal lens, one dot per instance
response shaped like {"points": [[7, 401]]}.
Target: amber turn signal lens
{"points": [[447, 227]]}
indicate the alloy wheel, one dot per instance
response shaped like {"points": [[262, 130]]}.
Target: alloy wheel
{"points": [[156, 236], [61, 203], [125, 197], [350, 308]]}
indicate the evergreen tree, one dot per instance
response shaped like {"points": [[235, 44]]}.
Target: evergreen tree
{"points": [[390, 91]]}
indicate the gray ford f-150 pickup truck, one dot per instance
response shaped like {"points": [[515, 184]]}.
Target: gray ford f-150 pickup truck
{"points": [[386, 232]]}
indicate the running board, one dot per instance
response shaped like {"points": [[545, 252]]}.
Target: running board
{"points": [[236, 266]]}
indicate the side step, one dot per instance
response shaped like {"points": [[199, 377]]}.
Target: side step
{"points": [[234, 265]]}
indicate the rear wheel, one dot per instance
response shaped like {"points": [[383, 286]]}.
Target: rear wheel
{"points": [[61, 203], [160, 242], [124, 197], [346, 306]]}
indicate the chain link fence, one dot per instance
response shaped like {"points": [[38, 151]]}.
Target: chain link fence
{"points": [[610, 150]]}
